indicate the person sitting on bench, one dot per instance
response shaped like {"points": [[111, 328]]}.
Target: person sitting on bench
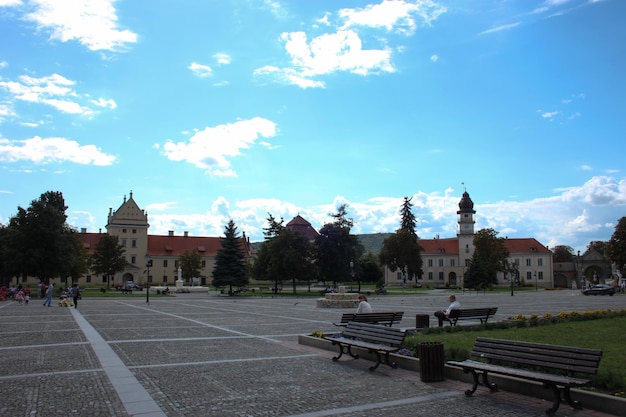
{"points": [[364, 306], [444, 314]]}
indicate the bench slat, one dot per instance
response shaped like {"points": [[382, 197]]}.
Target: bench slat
{"points": [[388, 318]]}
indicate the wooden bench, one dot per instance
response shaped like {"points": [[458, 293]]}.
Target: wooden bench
{"points": [[482, 314], [387, 318], [557, 367], [376, 338]]}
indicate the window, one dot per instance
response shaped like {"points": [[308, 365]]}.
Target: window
{"points": [[441, 276], [104, 279], [540, 262], [440, 262], [149, 278], [123, 230], [529, 262], [430, 263], [452, 262], [529, 276], [399, 276], [133, 243], [203, 264], [124, 242], [134, 231], [540, 275], [176, 263], [133, 259], [467, 262], [88, 279], [164, 279], [165, 263], [517, 261], [430, 276]]}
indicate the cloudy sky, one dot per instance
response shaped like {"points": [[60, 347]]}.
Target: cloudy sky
{"points": [[209, 110]]}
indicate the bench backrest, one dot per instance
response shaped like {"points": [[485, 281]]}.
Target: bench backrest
{"points": [[384, 317], [567, 359], [473, 313], [375, 333]]}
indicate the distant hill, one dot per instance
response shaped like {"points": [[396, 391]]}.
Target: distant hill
{"points": [[371, 242]]}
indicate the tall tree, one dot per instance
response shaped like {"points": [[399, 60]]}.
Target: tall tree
{"points": [[190, 263], [336, 247], [108, 257], [42, 244], [476, 277], [616, 247], [492, 252], [230, 265], [562, 253], [291, 257], [401, 251], [274, 227], [369, 270], [408, 221]]}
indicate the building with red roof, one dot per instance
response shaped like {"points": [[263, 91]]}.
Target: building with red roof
{"points": [[445, 261], [130, 224]]}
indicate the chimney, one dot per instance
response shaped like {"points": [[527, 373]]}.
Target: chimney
{"points": [[186, 233], [170, 233], [83, 230]]}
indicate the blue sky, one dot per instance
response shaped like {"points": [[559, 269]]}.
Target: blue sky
{"points": [[211, 110]]}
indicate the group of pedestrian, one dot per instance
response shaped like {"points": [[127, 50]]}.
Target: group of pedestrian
{"points": [[19, 294]]}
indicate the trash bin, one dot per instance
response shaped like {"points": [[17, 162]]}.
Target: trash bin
{"points": [[422, 321], [431, 361]]}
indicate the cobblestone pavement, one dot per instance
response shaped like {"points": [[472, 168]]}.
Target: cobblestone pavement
{"points": [[204, 355]]}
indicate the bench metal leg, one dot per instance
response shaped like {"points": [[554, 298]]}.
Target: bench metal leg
{"points": [[344, 349], [382, 359], [476, 376], [557, 398]]}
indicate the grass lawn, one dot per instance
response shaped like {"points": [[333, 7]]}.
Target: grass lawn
{"points": [[606, 334]]}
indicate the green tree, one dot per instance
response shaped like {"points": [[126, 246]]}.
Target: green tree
{"points": [[476, 277], [369, 270], [284, 255], [408, 221], [108, 257], [230, 265], [401, 251], [40, 243], [191, 264], [492, 252], [616, 247], [336, 247], [562, 253]]}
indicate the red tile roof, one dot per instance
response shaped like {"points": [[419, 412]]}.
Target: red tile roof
{"points": [[451, 246], [300, 225]]}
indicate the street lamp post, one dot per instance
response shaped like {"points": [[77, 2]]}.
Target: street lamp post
{"points": [[351, 274], [148, 265]]}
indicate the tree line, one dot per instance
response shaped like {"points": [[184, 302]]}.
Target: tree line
{"points": [[38, 242]]}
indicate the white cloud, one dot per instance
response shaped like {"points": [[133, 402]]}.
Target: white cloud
{"points": [[104, 103], [434, 58], [53, 90], [212, 148], [10, 3], [46, 150], [92, 23], [222, 58], [200, 70], [500, 28], [325, 54], [6, 110], [392, 15]]}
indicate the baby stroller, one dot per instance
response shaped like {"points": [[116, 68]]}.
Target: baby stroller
{"points": [[66, 301]]}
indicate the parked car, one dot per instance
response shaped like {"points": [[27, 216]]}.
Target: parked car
{"points": [[599, 289]]}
